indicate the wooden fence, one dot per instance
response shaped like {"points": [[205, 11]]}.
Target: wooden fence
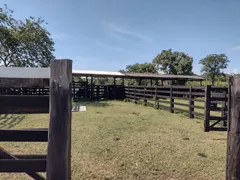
{"points": [[208, 103], [79, 92], [56, 163], [97, 92]]}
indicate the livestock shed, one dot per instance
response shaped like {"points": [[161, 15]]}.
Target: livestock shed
{"points": [[84, 89]]}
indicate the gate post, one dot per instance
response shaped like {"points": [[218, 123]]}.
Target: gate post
{"points": [[59, 137], [233, 146]]}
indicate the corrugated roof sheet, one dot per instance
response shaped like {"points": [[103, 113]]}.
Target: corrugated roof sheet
{"points": [[44, 73], [96, 73], [161, 76], [20, 72]]}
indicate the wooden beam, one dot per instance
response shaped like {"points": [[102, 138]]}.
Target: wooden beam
{"points": [[30, 156], [22, 165], [59, 143], [233, 145], [24, 135], [207, 108], [114, 81], [5, 155], [140, 82], [23, 82], [15, 104]]}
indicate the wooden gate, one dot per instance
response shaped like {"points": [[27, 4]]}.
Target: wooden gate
{"points": [[216, 99], [57, 161]]}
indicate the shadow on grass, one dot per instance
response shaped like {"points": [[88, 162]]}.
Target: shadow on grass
{"points": [[97, 103], [10, 120]]}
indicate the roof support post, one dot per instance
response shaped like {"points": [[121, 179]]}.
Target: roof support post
{"points": [[86, 80], [123, 81], [140, 82], [114, 81]]}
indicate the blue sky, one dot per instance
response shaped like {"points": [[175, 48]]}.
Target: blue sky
{"points": [[110, 34]]}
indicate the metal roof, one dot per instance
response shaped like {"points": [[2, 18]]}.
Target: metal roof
{"points": [[96, 73], [21, 72], [44, 73], [161, 76]]}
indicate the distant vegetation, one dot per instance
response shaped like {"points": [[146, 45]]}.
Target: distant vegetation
{"points": [[24, 43], [180, 63]]}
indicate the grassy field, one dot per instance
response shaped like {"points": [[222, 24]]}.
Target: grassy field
{"points": [[120, 140]]}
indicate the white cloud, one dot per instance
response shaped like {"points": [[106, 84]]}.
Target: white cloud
{"points": [[236, 48], [109, 46], [55, 36], [233, 71], [127, 31], [105, 45]]}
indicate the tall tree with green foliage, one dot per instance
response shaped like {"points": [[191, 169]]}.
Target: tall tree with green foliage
{"points": [[213, 66], [141, 68], [24, 43], [169, 62]]}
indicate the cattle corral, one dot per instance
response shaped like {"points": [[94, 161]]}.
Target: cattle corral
{"points": [[31, 94]]}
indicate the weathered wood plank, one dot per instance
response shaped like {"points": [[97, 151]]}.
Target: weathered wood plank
{"points": [[5, 155], [171, 101], [59, 143], [191, 103], [207, 107], [23, 165], [233, 145], [23, 82], [217, 118], [15, 104], [24, 135], [30, 156]]}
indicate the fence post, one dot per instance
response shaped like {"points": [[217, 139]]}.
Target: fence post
{"points": [[191, 103], [156, 98], [135, 95], [207, 108], [73, 86], [92, 88], [171, 100], [97, 92], [144, 100], [59, 137], [223, 113], [233, 136]]}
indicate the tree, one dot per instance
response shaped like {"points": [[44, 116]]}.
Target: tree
{"points": [[213, 66], [141, 68], [24, 43], [177, 63]]}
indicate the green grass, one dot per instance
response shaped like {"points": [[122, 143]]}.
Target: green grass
{"points": [[152, 144]]}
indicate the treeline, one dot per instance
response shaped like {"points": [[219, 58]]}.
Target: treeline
{"points": [[180, 63]]}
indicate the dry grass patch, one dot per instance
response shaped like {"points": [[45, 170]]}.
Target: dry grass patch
{"points": [[118, 140]]}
